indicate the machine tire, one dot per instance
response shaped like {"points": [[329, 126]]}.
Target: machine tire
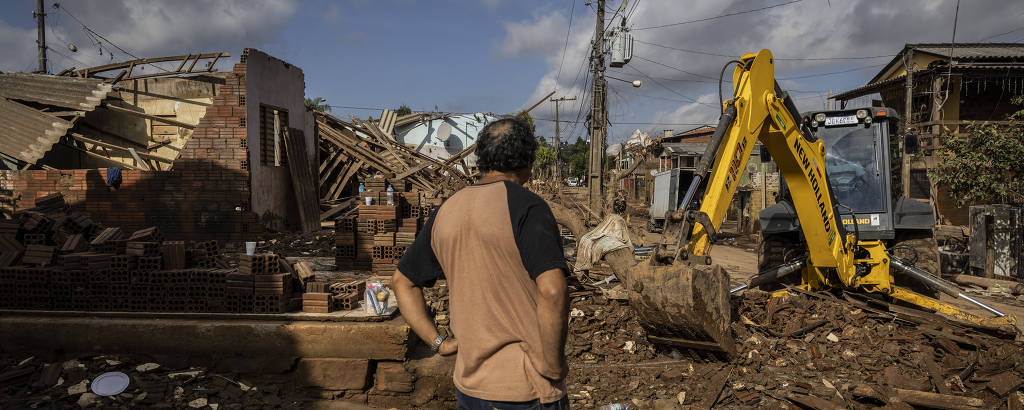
{"points": [[776, 249], [921, 250]]}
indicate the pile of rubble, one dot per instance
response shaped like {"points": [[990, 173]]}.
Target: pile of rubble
{"points": [[55, 258], [385, 224], [809, 350], [31, 383], [352, 148]]}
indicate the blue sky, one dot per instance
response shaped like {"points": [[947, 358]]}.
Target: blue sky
{"points": [[502, 55]]}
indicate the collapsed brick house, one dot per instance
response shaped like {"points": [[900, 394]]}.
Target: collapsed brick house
{"points": [[201, 156]]}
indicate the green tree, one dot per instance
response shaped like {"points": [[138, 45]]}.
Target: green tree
{"points": [[529, 120], [577, 156], [543, 160], [984, 166], [403, 110], [318, 104]]}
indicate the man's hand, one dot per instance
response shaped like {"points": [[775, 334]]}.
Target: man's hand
{"points": [[414, 309], [553, 319], [448, 347]]}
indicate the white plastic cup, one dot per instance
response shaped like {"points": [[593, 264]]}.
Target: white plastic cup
{"points": [[369, 200], [250, 248]]}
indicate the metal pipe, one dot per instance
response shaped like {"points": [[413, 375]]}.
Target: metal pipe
{"points": [[984, 306], [774, 274], [929, 280], [938, 284], [771, 275]]}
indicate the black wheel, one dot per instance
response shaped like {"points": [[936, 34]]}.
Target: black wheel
{"points": [[776, 249], [920, 250]]}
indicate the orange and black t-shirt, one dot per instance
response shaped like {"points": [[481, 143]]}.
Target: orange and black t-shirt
{"points": [[490, 241]]}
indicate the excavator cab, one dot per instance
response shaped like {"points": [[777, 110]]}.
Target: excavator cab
{"points": [[858, 159]]}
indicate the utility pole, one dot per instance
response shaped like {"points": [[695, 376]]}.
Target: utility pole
{"points": [[558, 139], [41, 31], [598, 114]]}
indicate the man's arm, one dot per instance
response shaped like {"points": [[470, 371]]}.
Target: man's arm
{"points": [[553, 319], [414, 309]]}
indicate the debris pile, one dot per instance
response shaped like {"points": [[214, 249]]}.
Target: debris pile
{"points": [[811, 350], [31, 383], [55, 258], [358, 147], [387, 220]]}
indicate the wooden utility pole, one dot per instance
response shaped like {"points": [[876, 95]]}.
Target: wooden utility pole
{"points": [[41, 32], [908, 111], [598, 113], [558, 138]]}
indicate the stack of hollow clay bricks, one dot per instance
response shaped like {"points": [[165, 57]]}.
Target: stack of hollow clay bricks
{"points": [[52, 257], [338, 295], [379, 235]]}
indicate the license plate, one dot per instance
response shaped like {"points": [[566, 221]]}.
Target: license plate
{"points": [[847, 120]]}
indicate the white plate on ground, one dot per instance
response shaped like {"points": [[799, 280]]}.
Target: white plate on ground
{"points": [[110, 383]]}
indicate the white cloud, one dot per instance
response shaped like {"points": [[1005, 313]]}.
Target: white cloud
{"points": [[802, 30], [19, 48], [155, 28], [542, 35], [691, 113]]}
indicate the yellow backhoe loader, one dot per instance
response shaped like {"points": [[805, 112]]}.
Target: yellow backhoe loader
{"points": [[682, 298]]}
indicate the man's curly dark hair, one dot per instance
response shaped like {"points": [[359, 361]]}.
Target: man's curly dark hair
{"points": [[505, 145]]}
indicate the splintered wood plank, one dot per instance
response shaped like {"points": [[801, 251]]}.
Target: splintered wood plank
{"points": [[303, 181]]}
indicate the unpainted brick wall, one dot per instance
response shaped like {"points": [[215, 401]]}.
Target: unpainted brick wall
{"points": [[196, 199]]}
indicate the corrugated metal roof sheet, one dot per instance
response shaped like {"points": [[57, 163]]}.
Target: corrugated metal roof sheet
{"points": [[680, 148], [75, 93], [26, 133], [973, 50]]}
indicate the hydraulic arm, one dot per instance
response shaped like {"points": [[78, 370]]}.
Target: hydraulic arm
{"points": [[761, 111], [685, 302]]}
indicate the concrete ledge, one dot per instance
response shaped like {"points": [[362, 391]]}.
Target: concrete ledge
{"points": [[237, 345]]}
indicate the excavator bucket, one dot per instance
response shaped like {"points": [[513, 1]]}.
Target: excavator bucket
{"points": [[681, 305]]}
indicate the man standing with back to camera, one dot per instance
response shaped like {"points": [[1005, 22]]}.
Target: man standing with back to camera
{"points": [[499, 247]]}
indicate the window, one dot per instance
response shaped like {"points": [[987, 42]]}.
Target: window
{"points": [[273, 124], [920, 186]]}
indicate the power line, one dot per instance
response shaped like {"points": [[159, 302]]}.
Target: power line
{"points": [[675, 68], [66, 57], [632, 123], [93, 32], [1002, 34], [649, 96], [720, 16], [566, 45], [671, 90], [829, 74], [708, 53], [357, 108]]}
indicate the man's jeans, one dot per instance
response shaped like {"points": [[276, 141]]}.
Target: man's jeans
{"points": [[472, 403]]}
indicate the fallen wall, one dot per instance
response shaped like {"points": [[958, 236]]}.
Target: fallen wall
{"points": [[205, 195]]}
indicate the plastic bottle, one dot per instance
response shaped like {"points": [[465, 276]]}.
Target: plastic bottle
{"points": [[391, 195], [362, 188], [614, 406]]}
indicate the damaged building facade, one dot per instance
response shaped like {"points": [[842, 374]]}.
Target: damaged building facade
{"points": [[949, 88], [200, 156]]}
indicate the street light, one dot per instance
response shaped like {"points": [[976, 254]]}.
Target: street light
{"points": [[635, 83]]}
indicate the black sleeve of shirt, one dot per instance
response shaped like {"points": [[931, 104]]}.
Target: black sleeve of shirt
{"points": [[419, 264], [537, 234]]}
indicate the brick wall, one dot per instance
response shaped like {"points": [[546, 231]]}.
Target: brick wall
{"points": [[196, 199]]}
